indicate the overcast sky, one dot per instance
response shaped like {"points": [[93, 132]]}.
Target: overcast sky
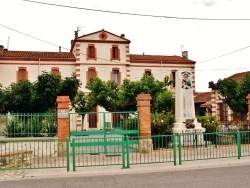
{"points": [[218, 38]]}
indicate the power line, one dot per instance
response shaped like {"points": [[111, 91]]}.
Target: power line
{"points": [[27, 35], [142, 15], [224, 54], [109, 60], [46, 41]]}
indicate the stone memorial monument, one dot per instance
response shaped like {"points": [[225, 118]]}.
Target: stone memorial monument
{"points": [[186, 121]]}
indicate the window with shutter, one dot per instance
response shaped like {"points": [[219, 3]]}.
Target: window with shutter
{"points": [[22, 74]]}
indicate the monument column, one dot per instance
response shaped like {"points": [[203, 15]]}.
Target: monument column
{"points": [[185, 111], [143, 107], [62, 123]]}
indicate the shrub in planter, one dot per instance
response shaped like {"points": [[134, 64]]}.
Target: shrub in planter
{"points": [[189, 123]]}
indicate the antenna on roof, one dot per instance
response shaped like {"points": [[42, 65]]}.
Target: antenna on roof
{"points": [[79, 28], [182, 48], [8, 41]]}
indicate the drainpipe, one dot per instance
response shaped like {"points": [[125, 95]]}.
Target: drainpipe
{"points": [[38, 67]]}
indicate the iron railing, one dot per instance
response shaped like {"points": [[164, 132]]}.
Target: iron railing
{"points": [[28, 124], [33, 153], [123, 150]]}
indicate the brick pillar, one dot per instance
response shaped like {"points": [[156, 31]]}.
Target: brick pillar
{"points": [[248, 103], [143, 107], [62, 123]]}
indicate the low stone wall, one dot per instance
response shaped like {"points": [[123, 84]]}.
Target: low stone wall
{"points": [[18, 152]]}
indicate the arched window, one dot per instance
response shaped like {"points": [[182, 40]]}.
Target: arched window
{"points": [[55, 70]]}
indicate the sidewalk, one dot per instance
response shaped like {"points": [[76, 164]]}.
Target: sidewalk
{"points": [[109, 170]]}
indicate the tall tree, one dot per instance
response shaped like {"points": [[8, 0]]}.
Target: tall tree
{"points": [[46, 89], [234, 93], [18, 97], [123, 98], [70, 86]]}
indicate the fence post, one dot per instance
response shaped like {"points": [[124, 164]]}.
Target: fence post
{"points": [[179, 148], [73, 154], [238, 144], [143, 107], [123, 153], [62, 123], [127, 150], [68, 154], [174, 148]]}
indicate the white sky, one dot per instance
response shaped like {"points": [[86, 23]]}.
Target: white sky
{"points": [[203, 39]]}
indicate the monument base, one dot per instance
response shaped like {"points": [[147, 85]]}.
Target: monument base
{"points": [[190, 136]]}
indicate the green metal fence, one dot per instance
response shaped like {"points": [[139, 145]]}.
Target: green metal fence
{"points": [[214, 145], [33, 153], [154, 149], [123, 150], [28, 124]]}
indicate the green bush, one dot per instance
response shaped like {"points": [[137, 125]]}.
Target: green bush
{"points": [[15, 128], [162, 124], [209, 122], [24, 126], [212, 125], [132, 123]]}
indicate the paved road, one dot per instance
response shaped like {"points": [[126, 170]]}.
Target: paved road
{"points": [[227, 176]]}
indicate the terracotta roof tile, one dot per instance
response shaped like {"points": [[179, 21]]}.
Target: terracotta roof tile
{"points": [[34, 55], [157, 58], [239, 76], [202, 97]]}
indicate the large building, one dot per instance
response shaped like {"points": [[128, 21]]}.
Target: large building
{"points": [[100, 54]]}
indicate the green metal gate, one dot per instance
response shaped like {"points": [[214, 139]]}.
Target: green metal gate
{"points": [[99, 138], [104, 123]]}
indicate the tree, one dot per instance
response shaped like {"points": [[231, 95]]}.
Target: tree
{"points": [[46, 90], [70, 86], [104, 94], [18, 97], [40, 96], [81, 105], [123, 98], [164, 102], [234, 93]]}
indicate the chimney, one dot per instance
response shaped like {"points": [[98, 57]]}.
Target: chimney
{"points": [[1, 49], [76, 34], [60, 49], [185, 54], [122, 35]]}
